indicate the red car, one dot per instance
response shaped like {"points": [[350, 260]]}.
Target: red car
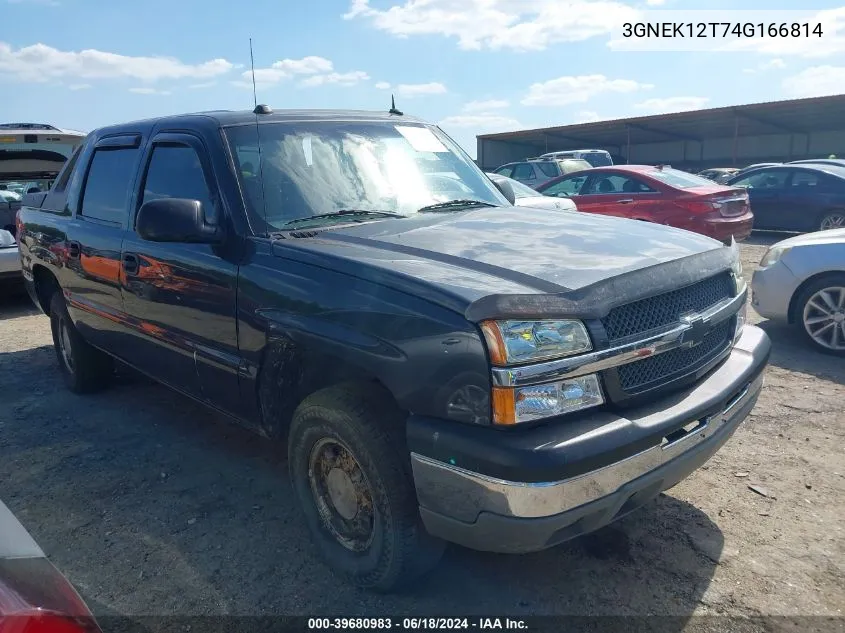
{"points": [[34, 596], [658, 194]]}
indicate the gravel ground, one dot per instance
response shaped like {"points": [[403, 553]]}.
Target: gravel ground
{"points": [[152, 505]]}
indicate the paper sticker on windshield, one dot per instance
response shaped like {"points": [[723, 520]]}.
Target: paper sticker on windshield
{"points": [[421, 138]]}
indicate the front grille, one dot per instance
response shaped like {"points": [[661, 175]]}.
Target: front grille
{"points": [[666, 309], [641, 375]]}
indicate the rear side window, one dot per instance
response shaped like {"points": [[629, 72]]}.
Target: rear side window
{"points": [[504, 171], [548, 168], [523, 171], [110, 177], [61, 184], [175, 171]]}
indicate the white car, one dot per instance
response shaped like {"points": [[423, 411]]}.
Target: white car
{"points": [[10, 259], [527, 197], [801, 281]]}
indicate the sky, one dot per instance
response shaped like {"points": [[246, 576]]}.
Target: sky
{"points": [[471, 66]]}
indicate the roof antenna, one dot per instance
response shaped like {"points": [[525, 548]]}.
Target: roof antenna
{"points": [[393, 109], [252, 67]]}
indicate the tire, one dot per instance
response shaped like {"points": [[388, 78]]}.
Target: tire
{"points": [[812, 312], [381, 543], [832, 220], [84, 368]]}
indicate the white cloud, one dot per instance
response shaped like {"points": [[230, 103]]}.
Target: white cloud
{"points": [[817, 81], [587, 116], [205, 84], [481, 106], [773, 64], [671, 104], [39, 63], [148, 91], [415, 90], [340, 79], [79, 86], [287, 68], [318, 71], [383, 85], [497, 24], [484, 122], [566, 90], [655, 3]]}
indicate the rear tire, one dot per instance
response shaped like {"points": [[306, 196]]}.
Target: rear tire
{"points": [[351, 474], [832, 220], [820, 314], [85, 369]]}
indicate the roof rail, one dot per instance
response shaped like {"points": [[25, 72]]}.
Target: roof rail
{"points": [[28, 126]]}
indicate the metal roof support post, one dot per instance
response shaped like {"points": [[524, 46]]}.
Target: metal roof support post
{"points": [[628, 146], [736, 138], [791, 145]]}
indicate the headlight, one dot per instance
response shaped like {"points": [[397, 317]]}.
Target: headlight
{"points": [[513, 342], [526, 404], [773, 255]]}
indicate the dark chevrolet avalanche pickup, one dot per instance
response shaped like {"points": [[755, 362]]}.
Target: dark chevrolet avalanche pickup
{"points": [[443, 365]]}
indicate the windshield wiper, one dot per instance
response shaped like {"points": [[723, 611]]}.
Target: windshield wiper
{"points": [[454, 205], [344, 213]]}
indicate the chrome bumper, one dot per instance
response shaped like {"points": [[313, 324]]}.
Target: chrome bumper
{"points": [[10, 261], [470, 502]]}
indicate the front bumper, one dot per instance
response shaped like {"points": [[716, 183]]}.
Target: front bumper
{"points": [[772, 289], [498, 514]]}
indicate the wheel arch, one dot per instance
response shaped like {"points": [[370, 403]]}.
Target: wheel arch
{"points": [[792, 312], [289, 372], [46, 285]]}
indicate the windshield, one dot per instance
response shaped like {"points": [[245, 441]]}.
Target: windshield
{"points": [[679, 179], [323, 167]]}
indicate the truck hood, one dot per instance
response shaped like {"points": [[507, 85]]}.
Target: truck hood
{"points": [[506, 250]]}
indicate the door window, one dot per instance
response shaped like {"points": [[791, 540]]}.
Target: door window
{"points": [[549, 168], [767, 179], [523, 171], [566, 187], [614, 184], [110, 176], [804, 181], [175, 171]]}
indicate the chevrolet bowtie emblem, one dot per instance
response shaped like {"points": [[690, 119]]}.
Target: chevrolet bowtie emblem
{"points": [[697, 329]]}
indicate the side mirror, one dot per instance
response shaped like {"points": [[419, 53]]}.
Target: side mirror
{"points": [[507, 191], [175, 220]]}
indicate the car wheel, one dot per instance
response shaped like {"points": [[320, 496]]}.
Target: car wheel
{"points": [[833, 220], [351, 474], [85, 369], [821, 314]]}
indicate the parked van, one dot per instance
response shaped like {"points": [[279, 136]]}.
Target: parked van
{"points": [[596, 157]]}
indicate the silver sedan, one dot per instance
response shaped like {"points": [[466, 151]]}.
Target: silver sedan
{"points": [[801, 281]]}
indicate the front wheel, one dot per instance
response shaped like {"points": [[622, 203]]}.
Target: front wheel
{"points": [[84, 368], [350, 472], [821, 313]]}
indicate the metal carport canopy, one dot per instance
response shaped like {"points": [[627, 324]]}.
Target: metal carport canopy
{"points": [[797, 116]]}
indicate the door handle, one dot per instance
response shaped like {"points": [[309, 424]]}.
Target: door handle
{"points": [[625, 201], [130, 264], [74, 249]]}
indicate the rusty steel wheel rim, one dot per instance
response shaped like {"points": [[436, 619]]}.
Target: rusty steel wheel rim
{"points": [[342, 494]]}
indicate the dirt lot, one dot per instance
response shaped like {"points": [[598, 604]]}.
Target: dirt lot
{"points": [[152, 505]]}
